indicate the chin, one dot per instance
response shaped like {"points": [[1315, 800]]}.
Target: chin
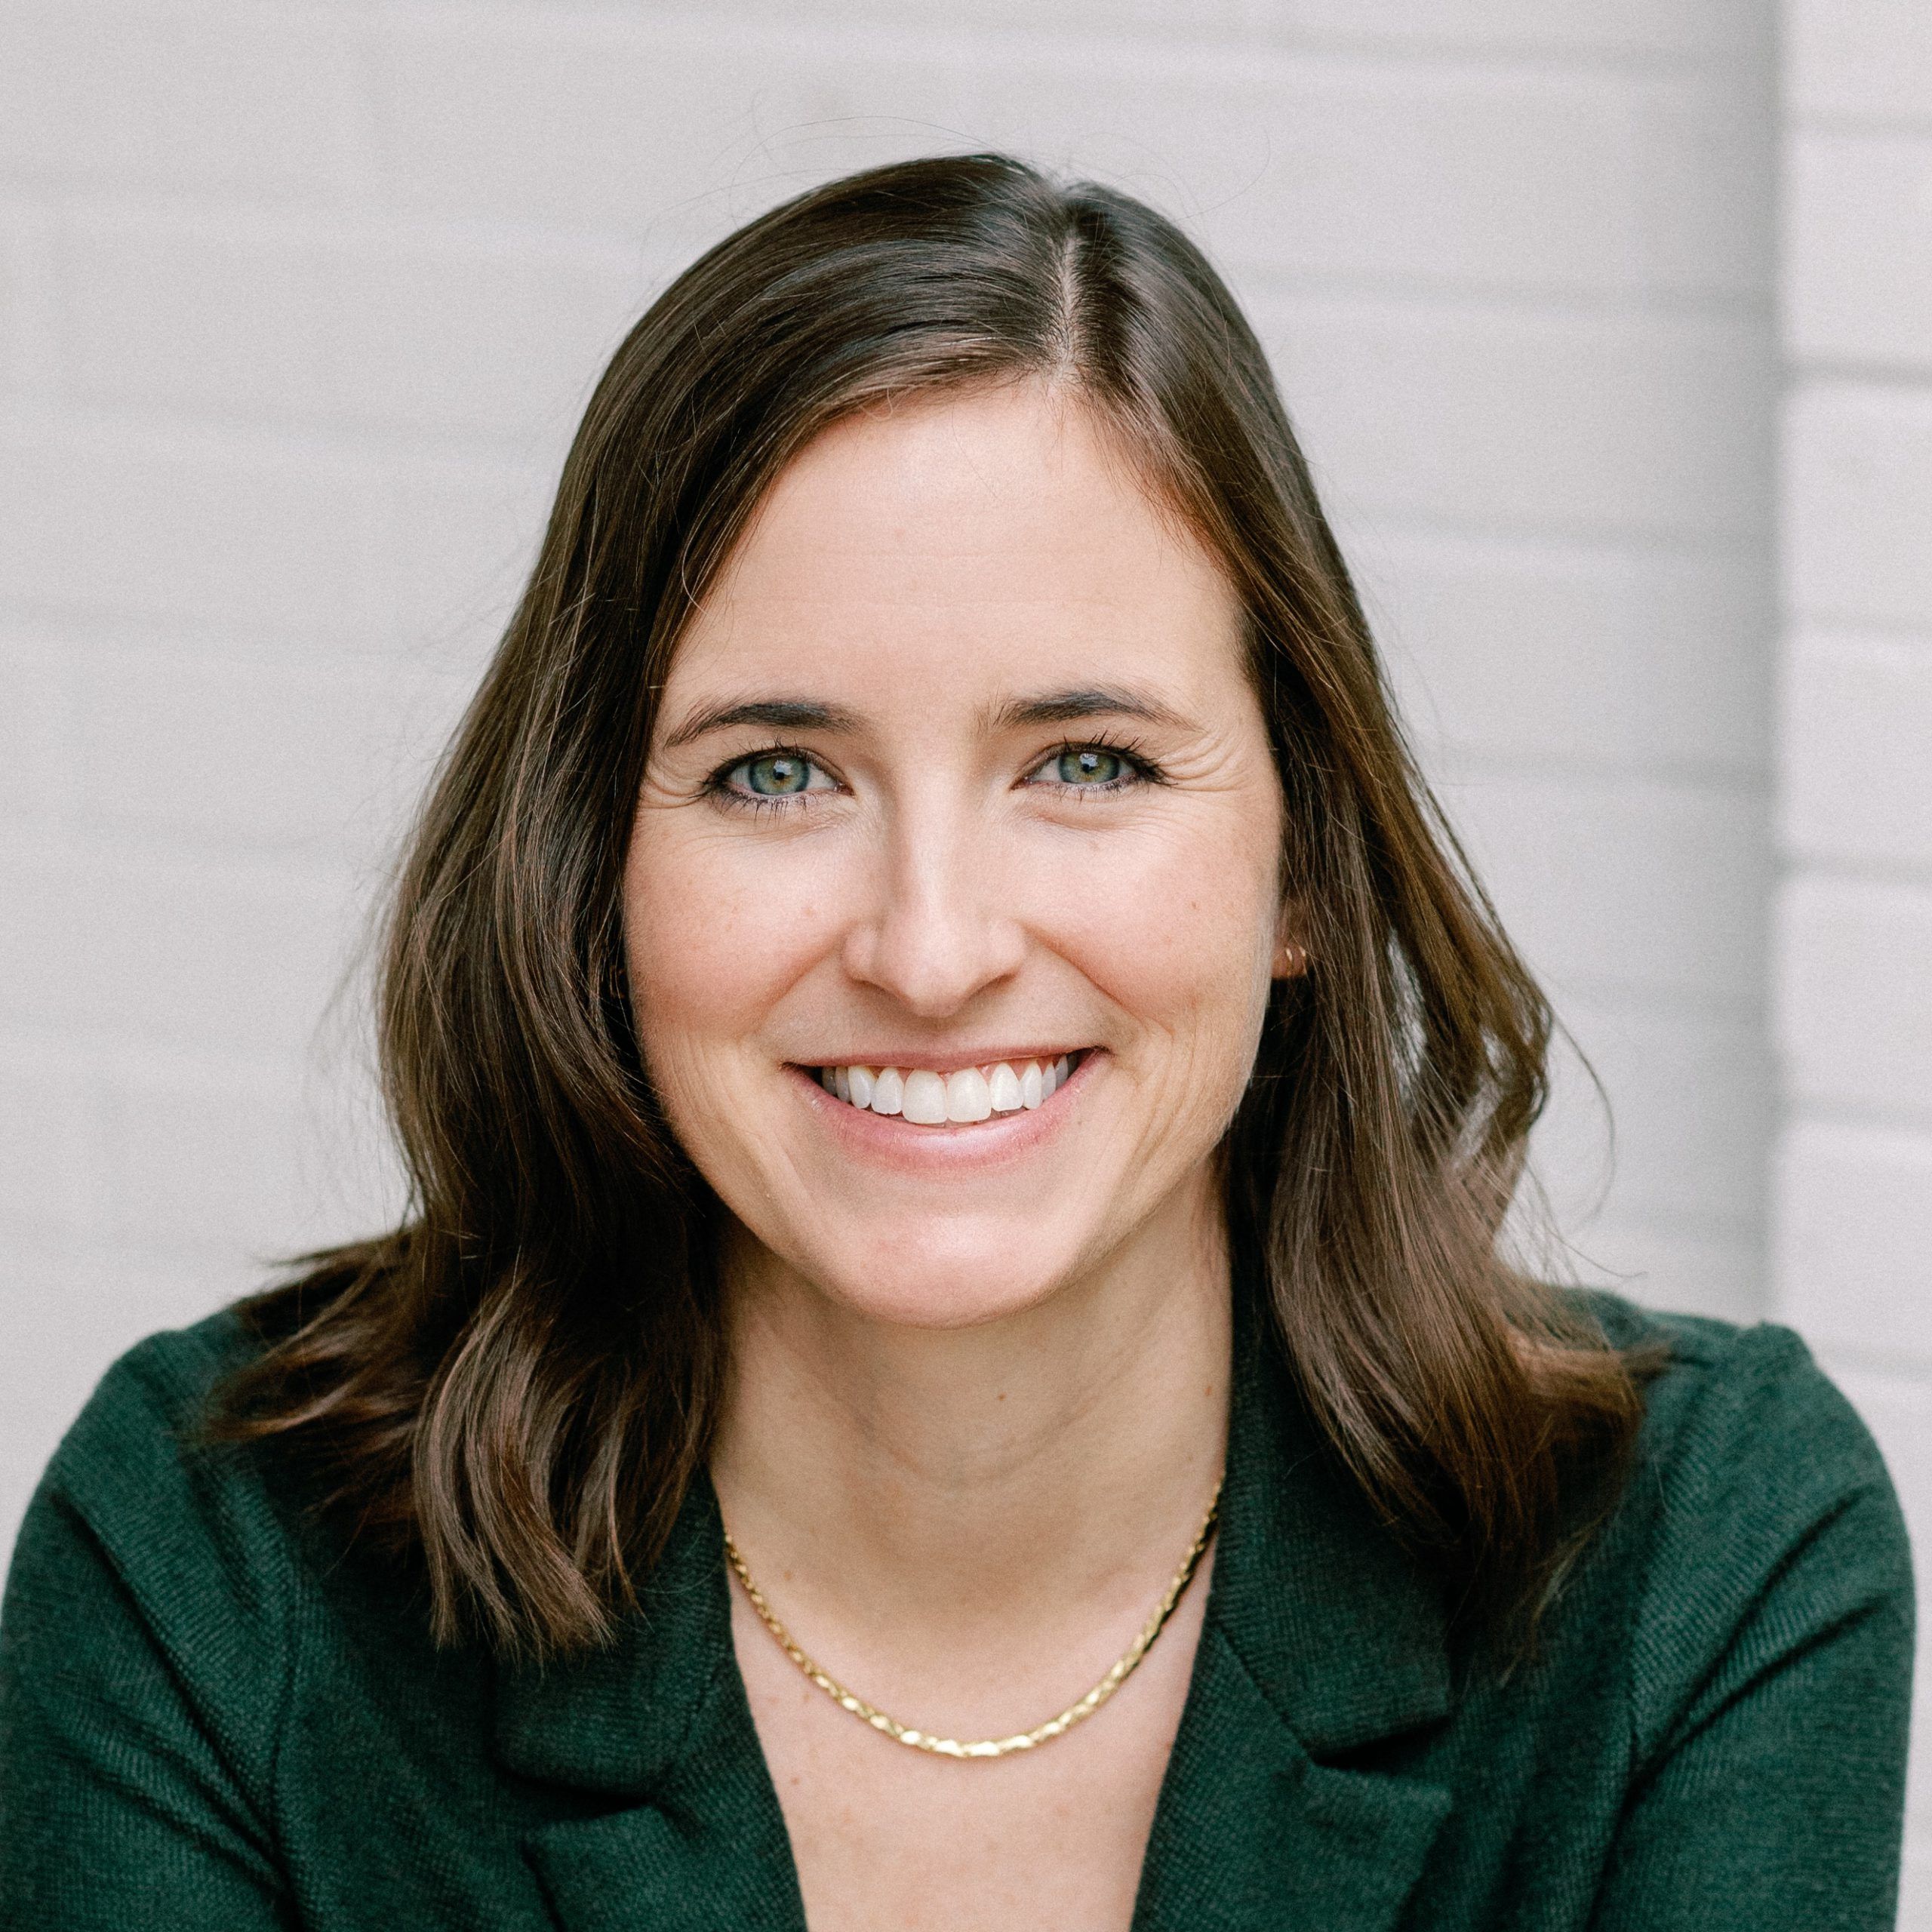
{"points": [[921, 1281]]}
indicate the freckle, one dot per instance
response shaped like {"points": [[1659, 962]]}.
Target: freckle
{"points": [[1000, 1397]]}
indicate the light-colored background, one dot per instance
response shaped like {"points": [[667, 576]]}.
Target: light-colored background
{"points": [[297, 304]]}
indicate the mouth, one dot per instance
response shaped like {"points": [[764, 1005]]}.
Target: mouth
{"points": [[953, 1096]]}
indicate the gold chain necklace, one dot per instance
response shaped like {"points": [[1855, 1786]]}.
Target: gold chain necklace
{"points": [[987, 1747]]}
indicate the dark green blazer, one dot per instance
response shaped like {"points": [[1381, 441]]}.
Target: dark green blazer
{"points": [[210, 1718]]}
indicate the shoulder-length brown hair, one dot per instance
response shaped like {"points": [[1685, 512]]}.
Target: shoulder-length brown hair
{"points": [[517, 1386]]}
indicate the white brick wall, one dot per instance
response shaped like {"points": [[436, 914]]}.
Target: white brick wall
{"points": [[298, 305], [1853, 1220], [301, 303]]}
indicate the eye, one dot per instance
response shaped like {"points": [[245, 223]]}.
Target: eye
{"points": [[770, 778], [1089, 764], [775, 775], [1093, 768]]}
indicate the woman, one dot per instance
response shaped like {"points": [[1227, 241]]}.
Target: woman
{"points": [[960, 1104]]}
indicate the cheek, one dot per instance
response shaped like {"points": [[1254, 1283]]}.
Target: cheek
{"points": [[715, 934], [1180, 933]]}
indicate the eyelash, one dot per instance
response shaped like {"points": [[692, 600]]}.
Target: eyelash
{"points": [[719, 786], [1142, 770]]}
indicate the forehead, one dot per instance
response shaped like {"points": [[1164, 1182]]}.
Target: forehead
{"points": [[951, 548]]}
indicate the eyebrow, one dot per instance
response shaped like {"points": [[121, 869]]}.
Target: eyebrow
{"points": [[803, 714], [1093, 701], [781, 714]]}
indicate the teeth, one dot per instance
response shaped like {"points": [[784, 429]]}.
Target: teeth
{"points": [[928, 1099], [967, 1096], [925, 1098]]}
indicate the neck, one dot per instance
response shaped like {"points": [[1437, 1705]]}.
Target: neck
{"points": [[943, 1488]]}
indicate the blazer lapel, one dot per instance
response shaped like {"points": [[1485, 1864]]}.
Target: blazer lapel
{"points": [[657, 1728], [1321, 1637], [639, 1871], [1252, 1832]]}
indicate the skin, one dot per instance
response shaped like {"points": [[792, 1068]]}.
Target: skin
{"points": [[977, 1401]]}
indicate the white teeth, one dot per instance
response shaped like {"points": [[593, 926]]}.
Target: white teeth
{"points": [[968, 1096], [929, 1099], [925, 1098]]}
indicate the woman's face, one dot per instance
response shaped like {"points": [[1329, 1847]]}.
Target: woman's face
{"points": [[957, 773]]}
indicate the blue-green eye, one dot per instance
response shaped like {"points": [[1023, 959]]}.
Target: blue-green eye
{"points": [[1089, 764], [776, 775]]}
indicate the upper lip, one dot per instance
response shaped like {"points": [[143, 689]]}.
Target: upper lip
{"points": [[949, 1059]]}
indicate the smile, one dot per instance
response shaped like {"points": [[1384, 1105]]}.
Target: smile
{"points": [[928, 1097]]}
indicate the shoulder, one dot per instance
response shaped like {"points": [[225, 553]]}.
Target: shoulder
{"points": [[184, 1532], [167, 1378], [1740, 1407], [140, 1432], [1758, 1514]]}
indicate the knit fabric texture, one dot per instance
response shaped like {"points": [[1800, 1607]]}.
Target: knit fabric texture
{"points": [[211, 1715]]}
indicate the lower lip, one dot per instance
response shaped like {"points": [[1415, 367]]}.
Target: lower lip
{"points": [[898, 1142]]}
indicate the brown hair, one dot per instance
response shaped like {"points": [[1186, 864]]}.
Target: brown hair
{"points": [[517, 1386]]}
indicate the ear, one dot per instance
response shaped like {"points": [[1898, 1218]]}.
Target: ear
{"points": [[1291, 956]]}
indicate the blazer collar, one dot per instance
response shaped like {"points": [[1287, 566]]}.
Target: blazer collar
{"points": [[617, 1720], [657, 1727], [1344, 1633], [1320, 1636]]}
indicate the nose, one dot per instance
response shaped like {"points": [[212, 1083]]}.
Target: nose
{"points": [[939, 928]]}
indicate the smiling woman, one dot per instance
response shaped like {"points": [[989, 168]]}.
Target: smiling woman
{"points": [[935, 1024], [948, 896]]}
